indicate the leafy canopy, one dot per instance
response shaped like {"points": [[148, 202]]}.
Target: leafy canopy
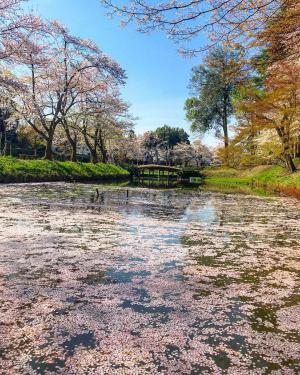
{"points": [[213, 85], [172, 136]]}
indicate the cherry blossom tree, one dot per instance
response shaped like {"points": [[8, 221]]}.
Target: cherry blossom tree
{"points": [[84, 70], [191, 154], [102, 117], [128, 148], [59, 71], [39, 103], [224, 21], [152, 145], [14, 23]]}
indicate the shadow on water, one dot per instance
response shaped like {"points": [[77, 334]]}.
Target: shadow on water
{"points": [[195, 183], [237, 189], [171, 182]]}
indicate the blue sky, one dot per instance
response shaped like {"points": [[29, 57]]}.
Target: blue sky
{"points": [[157, 75]]}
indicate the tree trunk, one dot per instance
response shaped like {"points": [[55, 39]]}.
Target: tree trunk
{"points": [[92, 148], [74, 152], [226, 144], [289, 163], [5, 145], [72, 142], [286, 149], [104, 156], [225, 131], [35, 148], [48, 151], [297, 147], [102, 148], [94, 157]]}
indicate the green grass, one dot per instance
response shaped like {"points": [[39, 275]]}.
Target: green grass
{"points": [[272, 177], [17, 170]]}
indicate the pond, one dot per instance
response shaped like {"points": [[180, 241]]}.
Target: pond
{"points": [[147, 281]]}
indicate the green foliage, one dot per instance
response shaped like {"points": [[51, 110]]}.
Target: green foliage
{"points": [[220, 172], [151, 141], [213, 85], [172, 136], [16, 170], [260, 64], [188, 172], [270, 175], [131, 168], [249, 153]]}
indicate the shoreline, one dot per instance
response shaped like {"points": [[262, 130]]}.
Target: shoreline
{"points": [[273, 179], [14, 170]]}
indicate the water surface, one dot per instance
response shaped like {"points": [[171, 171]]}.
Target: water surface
{"points": [[156, 282]]}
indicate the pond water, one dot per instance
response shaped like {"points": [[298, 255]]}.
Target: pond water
{"points": [[156, 282]]}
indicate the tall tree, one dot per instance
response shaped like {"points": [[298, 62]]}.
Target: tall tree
{"points": [[152, 144], [270, 100], [276, 106], [192, 154], [84, 71], [103, 116], [61, 70], [213, 85], [281, 33], [170, 137]]}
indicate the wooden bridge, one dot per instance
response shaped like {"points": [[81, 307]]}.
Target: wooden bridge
{"points": [[156, 170]]}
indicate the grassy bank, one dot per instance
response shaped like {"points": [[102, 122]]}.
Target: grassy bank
{"points": [[273, 178], [16, 170]]}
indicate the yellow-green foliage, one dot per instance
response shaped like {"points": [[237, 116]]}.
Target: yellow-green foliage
{"points": [[272, 175], [16, 170]]}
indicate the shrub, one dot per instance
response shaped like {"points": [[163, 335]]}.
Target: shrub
{"points": [[188, 172]]}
